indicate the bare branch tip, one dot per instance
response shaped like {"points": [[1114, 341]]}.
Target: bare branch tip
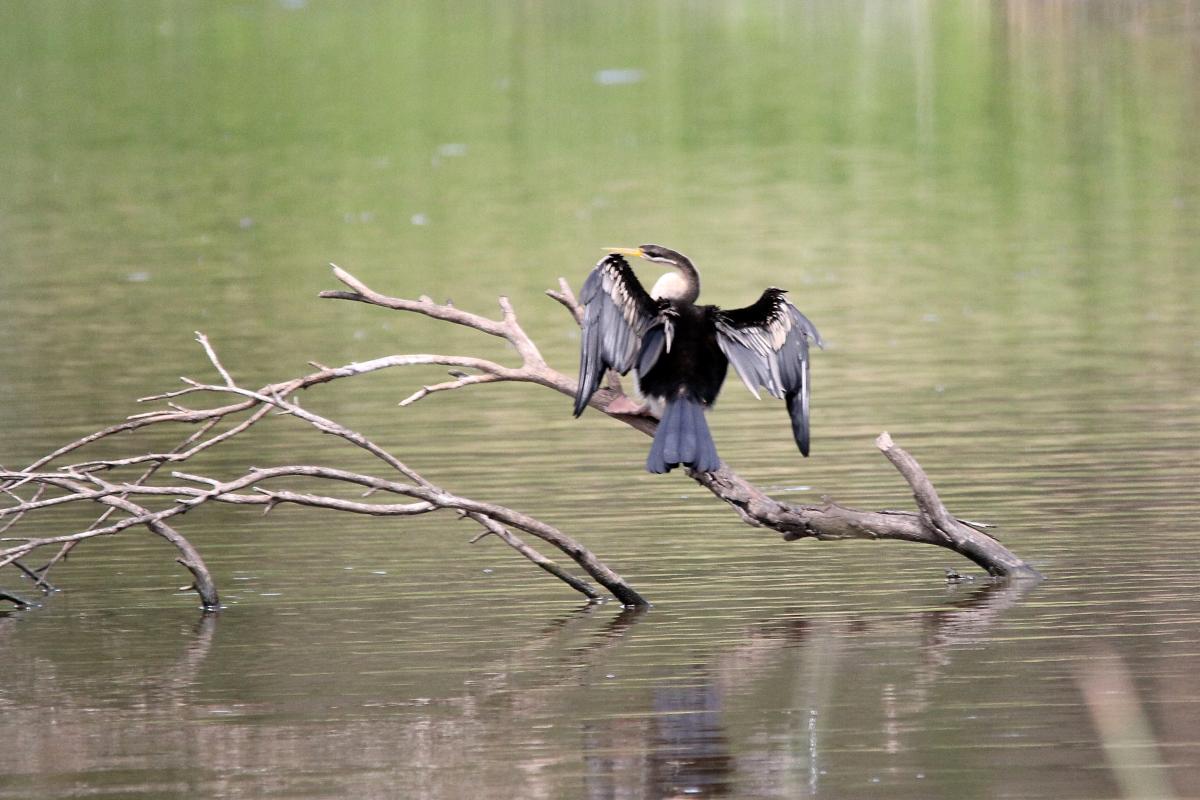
{"points": [[884, 441]]}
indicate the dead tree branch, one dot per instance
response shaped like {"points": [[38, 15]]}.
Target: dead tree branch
{"points": [[82, 481], [829, 521], [55, 483]]}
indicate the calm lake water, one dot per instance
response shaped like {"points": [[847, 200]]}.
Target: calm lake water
{"points": [[991, 210]]}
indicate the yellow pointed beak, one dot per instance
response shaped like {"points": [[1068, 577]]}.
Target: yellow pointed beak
{"points": [[627, 251]]}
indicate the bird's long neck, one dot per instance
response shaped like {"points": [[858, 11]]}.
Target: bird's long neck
{"points": [[681, 285]]}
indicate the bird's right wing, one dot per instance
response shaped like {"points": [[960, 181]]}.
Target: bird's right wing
{"points": [[617, 313]]}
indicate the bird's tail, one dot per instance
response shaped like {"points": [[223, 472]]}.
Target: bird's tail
{"points": [[683, 438]]}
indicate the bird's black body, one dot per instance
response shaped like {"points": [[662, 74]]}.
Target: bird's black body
{"points": [[694, 367], [681, 351]]}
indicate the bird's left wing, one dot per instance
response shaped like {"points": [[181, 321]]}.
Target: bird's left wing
{"points": [[767, 343], [617, 313]]}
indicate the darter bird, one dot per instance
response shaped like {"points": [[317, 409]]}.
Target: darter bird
{"points": [[680, 352]]}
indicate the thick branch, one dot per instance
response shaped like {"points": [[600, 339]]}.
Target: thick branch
{"points": [[86, 481], [829, 521]]}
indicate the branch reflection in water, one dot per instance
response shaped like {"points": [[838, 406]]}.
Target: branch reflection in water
{"points": [[654, 703], [681, 745]]}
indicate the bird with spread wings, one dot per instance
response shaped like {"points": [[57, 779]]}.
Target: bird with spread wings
{"points": [[680, 351]]}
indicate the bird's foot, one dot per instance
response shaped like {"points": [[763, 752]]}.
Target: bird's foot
{"points": [[623, 405]]}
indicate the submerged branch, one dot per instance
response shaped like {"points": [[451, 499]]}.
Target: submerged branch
{"points": [[16, 600], [58, 485]]}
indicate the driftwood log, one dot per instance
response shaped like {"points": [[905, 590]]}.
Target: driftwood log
{"points": [[139, 500]]}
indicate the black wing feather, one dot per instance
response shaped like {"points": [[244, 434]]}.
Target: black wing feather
{"points": [[767, 343], [617, 313]]}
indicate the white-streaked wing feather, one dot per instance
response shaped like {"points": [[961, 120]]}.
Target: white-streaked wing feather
{"points": [[617, 312], [767, 344]]}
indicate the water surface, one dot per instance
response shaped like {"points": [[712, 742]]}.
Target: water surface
{"points": [[992, 211]]}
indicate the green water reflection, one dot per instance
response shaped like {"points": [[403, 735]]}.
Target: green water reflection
{"points": [[992, 211]]}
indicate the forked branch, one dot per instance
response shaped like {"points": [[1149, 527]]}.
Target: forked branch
{"points": [[54, 483], [932, 524]]}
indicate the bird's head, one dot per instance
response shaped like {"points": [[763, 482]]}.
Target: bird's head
{"points": [[684, 284], [657, 253]]}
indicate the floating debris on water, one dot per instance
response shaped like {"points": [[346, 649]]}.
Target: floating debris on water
{"points": [[618, 77]]}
